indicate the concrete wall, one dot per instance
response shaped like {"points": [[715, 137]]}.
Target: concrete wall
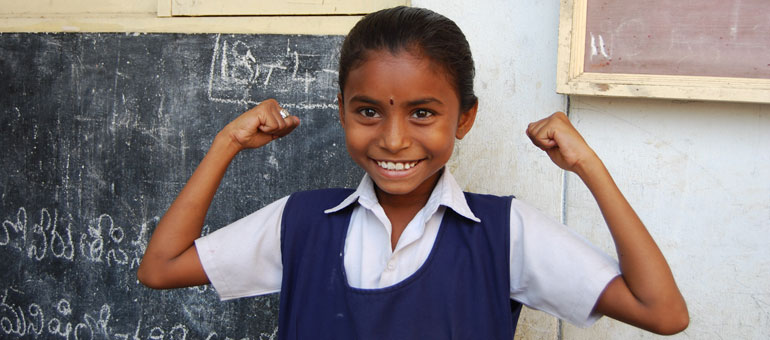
{"points": [[698, 173]]}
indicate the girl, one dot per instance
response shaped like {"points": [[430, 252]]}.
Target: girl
{"points": [[408, 254]]}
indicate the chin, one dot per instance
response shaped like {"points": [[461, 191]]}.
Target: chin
{"points": [[395, 188]]}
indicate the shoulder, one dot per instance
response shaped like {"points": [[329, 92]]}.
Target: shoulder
{"points": [[527, 213]]}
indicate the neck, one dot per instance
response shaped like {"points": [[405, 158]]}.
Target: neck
{"points": [[401, 209]]}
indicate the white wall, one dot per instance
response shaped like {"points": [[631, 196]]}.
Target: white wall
{"points": [[698, 173]]}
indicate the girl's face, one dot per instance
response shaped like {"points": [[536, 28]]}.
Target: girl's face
{"points": [[401, 116]]}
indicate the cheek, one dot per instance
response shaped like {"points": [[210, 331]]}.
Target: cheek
{"points": [[440, 142], [356, 142]]}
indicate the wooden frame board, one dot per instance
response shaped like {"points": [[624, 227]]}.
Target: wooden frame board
{"points": [[276, 7], [572, 78], [157, 16]]}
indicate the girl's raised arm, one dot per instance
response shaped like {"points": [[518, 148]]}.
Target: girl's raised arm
{"points": [[645, 294], [171, 260]]}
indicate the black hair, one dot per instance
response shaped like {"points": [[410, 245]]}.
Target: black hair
{"points": [[416, 30]]}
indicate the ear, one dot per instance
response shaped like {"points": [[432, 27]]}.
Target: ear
{"points": [[465, 121], [341, 107]]}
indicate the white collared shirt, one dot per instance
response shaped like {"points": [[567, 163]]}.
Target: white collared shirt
{"points": [[551, 268]]}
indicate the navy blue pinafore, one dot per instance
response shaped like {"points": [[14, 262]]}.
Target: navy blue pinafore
{"points": [[460, 292]]}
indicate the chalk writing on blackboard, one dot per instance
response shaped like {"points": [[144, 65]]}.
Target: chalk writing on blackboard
{"points": [[51, 234], [245, 74], [60, 321]]}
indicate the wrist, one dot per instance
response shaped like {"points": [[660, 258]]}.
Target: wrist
{"points": [[589, 167], [225, 144]]}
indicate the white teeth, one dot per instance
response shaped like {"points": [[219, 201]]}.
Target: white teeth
{"points": [[396, 165]]}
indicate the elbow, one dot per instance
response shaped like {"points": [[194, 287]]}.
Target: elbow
{"points": [[673, 327], [673, 321], [147, 278], [676, 325], [143, 277]]}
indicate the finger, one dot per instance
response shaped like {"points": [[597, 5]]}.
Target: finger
{"points": [[541, 134], [545, 144], [534, 128], [272, 120], [280, 118], [292, 123], [267, 124]]}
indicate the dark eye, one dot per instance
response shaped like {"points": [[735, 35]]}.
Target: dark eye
{"points": [[368, 113], [422, 114]]}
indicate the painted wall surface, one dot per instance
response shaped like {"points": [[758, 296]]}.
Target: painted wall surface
{"points": [[698, 173], [699, 176]]}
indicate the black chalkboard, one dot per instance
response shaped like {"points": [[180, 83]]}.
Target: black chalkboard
{"points": [[99, 132]]}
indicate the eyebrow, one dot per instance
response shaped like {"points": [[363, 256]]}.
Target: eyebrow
{"points": [[423, 101], [364, 99], [416, 102]]}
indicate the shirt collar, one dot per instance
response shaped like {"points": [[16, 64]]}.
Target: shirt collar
{"points": [[447, 193]]}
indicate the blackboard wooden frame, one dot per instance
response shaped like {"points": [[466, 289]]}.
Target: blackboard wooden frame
{"points": [[572, 79], [275, 7]]}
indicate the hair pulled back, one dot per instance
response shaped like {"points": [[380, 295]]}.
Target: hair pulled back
{"points": [[415, 30]]}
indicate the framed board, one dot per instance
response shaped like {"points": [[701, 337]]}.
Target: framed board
{"points": [[706, 50]]}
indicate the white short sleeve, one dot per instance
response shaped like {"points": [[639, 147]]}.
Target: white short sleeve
{"points": [[555, 270], [244, 258]]}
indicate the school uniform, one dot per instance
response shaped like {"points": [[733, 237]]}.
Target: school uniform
{"points": [[547, 266]]}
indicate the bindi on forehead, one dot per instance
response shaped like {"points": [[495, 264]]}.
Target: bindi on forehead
{"points": [[391, 101]]}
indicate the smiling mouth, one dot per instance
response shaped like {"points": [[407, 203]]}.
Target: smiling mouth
{"points": [[387, 165]]}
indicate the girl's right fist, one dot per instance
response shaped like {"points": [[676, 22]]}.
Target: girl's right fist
{"points": [[260, 125]]}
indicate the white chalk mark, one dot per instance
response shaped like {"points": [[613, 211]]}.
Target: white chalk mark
{"points": [[63, 307], [288, 49], [596, 50], [255, 75], [223, 72], [270, 71], [601, 47], [213, 65], [250, 56], [296, 65], [115, 89], [20, 226], [735, 20], [308, 80], [183, 146]]}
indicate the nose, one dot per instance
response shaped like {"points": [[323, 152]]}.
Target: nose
{"points": [[394, 136]]}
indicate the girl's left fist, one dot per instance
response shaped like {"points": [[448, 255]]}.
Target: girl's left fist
{"points": [[561, 141]]}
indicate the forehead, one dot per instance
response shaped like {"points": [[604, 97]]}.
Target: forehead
{"points": [[402, 75]]}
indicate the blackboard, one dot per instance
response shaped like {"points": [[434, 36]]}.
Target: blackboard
{"points": [[99, 132]]}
